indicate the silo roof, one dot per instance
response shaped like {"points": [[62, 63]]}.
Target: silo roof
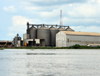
{"points": [[43, 27], [52, 28], [60, 28], [69, 29], [81, 33], [32, 28]]}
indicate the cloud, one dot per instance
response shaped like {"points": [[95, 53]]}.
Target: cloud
{"points": [[9, 9], [52, 14], [81, 10], [40, 8], [98, 1], [86, 28], [53, 2], [20, 20], [87, 10], [18, 25]]}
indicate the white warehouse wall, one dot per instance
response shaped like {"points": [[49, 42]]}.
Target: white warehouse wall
{"points": [[60, 39]]}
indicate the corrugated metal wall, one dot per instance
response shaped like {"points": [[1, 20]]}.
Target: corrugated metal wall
{"points": [[82, 40], [63, 40]]}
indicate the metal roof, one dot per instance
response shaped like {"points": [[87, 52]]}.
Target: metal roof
{"points": [[81, 33], [5, 41]]}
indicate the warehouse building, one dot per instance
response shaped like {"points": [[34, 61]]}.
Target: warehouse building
{"points": [[5, 43], [70, 38]]}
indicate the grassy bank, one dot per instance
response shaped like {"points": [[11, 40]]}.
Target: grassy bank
{"points": [[38, 48], [1, 48], [83, 47], [71, 47]]}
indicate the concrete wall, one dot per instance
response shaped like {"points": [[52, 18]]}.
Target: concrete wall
{"points": [[60, 39]]}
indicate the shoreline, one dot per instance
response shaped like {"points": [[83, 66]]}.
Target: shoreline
{"points": [[71, 47], [49, 48]]}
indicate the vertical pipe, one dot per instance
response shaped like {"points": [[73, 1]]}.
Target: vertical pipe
{"points": [[27, 25]]}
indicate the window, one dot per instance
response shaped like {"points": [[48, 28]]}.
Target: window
{"points": [[67, 40]]}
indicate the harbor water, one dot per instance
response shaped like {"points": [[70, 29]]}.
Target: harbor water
{"points": [[49, 62]]}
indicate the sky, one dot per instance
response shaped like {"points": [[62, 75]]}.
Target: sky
{"points": [[80, 15]]}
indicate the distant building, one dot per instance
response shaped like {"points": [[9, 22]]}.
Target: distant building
{"points": [[5, 43], [17, 41], [70, 38]]}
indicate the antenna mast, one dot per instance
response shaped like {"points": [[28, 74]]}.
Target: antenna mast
{"points": [[61, 23]]}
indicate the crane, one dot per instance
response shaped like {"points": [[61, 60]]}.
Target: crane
{"points": [[6, 43]]}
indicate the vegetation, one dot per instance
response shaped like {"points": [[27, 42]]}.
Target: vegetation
{"points": [[83, 47], [71, 47], [38, 48], [1, 48]]}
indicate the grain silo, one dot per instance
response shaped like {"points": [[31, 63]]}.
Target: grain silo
{"points": [[61, 29], [53, 32], [69, 29], [33, 32], [44, 33]]}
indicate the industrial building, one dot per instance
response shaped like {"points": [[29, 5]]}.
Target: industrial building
{"points": [[17, 42], [5, 43], [70, 38], [45, 35], [42, 34]]}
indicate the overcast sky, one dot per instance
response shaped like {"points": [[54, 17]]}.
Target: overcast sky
{"points": [[80, 15]]}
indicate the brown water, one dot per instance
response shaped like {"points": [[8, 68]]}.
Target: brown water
{"points": [[21, 62]]}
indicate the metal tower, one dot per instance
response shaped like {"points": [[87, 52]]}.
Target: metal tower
{"points": [[61, 23]]}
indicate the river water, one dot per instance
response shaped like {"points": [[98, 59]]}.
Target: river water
{"points": [[56, 62]]}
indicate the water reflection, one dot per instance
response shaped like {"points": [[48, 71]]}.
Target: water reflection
{"points": [[49, 62], [40, 54]]}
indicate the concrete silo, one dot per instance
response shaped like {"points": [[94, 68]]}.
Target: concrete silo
{"points": [[33, 32], [31, 35], [44, 33], [61, 29], [69, 29], [53, 32]]}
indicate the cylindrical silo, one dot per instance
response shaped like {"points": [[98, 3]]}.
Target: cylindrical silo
{"points": [[53, 32], [61, 29], [44, 33], [69, 29], [33, 32]]}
